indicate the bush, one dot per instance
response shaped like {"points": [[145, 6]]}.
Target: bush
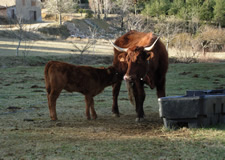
{"points": [[61, 31], [80, 10], [212, 37], [3, 20], [212, 34], [89, 14], [49, 16], [208, 38], [181, 40]]}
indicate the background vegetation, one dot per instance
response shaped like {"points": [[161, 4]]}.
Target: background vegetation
{"points": [[197, 10], [191, 27]]}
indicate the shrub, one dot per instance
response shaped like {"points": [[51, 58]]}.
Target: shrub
{"points": [[212, 37], [60, 31], [89, 14], [49, 16], [181, 41]]}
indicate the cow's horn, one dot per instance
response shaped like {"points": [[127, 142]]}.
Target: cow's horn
{"points": [[152, 46], [118, 48]]}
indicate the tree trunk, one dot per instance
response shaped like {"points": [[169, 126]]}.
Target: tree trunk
{"points": [[98, 11], [220, 25], [135, 9], [122, 23], [167, 44], [105, 15], [60, 18], [18, 47]]}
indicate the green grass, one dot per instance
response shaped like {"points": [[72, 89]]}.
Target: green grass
{"points": [[195, 76], [28, 133]]}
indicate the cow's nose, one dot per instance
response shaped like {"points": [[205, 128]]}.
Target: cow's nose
{"points": [[130, 77], [127, 78]]}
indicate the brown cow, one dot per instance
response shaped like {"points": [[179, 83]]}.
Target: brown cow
{"points": [[83, 79], [143, 59]]}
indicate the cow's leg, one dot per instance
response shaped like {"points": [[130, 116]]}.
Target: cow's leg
{"points": [[139, 95], [160, 87], [116, 90], [52, 97]]}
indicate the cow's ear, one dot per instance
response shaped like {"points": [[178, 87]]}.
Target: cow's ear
{"points": [[150, 55], [108, 70], [102, 67], [122, 57]]}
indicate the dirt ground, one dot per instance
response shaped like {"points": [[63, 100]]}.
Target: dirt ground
{"points": [[26, 131], [29, 133]]}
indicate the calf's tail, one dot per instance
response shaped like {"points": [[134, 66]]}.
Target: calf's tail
{"points": [[47, 84]]}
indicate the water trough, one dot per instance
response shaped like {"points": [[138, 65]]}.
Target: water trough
{"points": [[201, 108]]}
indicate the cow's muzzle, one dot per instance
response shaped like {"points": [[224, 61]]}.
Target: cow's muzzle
{"points": [[129, 78]]}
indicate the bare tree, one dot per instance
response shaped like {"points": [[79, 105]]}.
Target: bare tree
{"points": [[96, 7], [59, 7], [122, 7], [135, 22], [91, 41], [205, 45], [100, 6], [19, 33], [22, 31], [107, 7], [169, 29]]}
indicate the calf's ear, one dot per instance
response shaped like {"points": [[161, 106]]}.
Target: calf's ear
{"points": [[122, 57]]}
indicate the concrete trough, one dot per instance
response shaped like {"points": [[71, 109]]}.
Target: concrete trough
{"points": [[195, 109]]}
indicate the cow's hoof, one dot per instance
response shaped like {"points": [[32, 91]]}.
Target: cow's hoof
{"points": [[54, 119], [94, 117], [116, 115], [139, 120], [88, 118]]}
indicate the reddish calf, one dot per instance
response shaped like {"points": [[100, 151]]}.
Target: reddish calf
{"points": [[83, 79]]}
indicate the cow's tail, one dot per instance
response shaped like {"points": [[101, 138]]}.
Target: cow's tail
{"points": [[130, 93], [47, 83]]}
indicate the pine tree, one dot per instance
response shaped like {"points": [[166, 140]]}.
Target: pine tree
{"points": [[175, 7], [206, 10], [193, 8], [156, 8], [219, 12]]}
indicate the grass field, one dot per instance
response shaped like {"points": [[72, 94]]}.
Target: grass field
{"points": [[26, 131]]}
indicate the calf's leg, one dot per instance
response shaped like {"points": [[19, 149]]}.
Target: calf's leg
{"points": [[90, 107], [93, 113], [52, 97]]}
